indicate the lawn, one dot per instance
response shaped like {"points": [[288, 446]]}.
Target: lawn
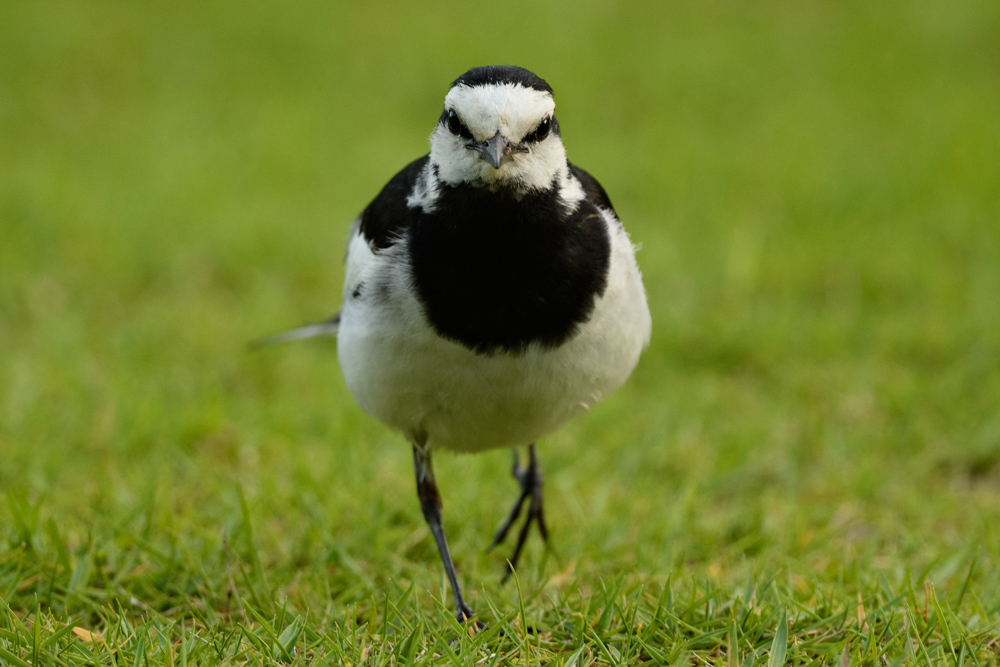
{"points": [[804, 468]]}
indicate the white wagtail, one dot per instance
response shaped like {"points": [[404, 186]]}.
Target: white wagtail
{"points": [[491, 293]]}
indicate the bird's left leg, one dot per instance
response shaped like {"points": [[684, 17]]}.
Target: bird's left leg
{"points": [[430, 504], [531, 482]]}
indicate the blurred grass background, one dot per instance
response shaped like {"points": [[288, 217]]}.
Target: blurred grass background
{"points": [[815, 190]]}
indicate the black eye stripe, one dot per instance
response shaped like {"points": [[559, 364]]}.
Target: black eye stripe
{"points": [[541, 131], [456, 126]]}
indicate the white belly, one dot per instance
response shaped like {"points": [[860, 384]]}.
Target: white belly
{"points": [[405, 375]]}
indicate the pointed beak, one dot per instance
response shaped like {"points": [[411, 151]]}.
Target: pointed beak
{"points": [[495, 150]]}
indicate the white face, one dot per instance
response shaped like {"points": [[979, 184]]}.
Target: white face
{"points": [[515, 112]]}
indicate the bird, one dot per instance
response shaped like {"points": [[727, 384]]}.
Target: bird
{"points": [[491, 294]]}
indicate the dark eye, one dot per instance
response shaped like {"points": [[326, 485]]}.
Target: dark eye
{"points": [[456, 127], [541, 131]]}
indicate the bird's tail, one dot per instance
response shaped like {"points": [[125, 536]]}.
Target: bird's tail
{"points": [[327, 328]]}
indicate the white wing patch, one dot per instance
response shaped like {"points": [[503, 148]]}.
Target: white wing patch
{"points": [[571, 191], [425, 190]]}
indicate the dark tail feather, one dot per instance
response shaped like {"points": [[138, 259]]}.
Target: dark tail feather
{"points": [[327, 328]]}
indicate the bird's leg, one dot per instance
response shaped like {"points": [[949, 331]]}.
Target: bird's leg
{"points": [[530, 479], [518, 473], [430, 503]]}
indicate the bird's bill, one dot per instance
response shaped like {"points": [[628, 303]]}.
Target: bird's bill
{"points": [[497, 150]]}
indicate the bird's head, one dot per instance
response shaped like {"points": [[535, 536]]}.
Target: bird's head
{"points": [[498, 131]]}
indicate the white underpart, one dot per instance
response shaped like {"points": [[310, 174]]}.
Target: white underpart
{"points": [[514, 111], [405, 375]]}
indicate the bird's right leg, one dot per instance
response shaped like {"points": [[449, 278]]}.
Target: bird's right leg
{"points": [[430, 503], [531, 482]]}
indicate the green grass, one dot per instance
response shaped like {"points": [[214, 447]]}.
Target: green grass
{"points": [[804, 469]]}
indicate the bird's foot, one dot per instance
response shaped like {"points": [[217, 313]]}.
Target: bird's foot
{"points": [[530, 479], [465, 615]]}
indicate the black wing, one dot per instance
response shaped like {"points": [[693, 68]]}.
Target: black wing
{"points": [[595, 193], [383, 221]]}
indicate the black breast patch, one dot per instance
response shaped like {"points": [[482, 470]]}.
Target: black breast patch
{"points": [[495, 273]]}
